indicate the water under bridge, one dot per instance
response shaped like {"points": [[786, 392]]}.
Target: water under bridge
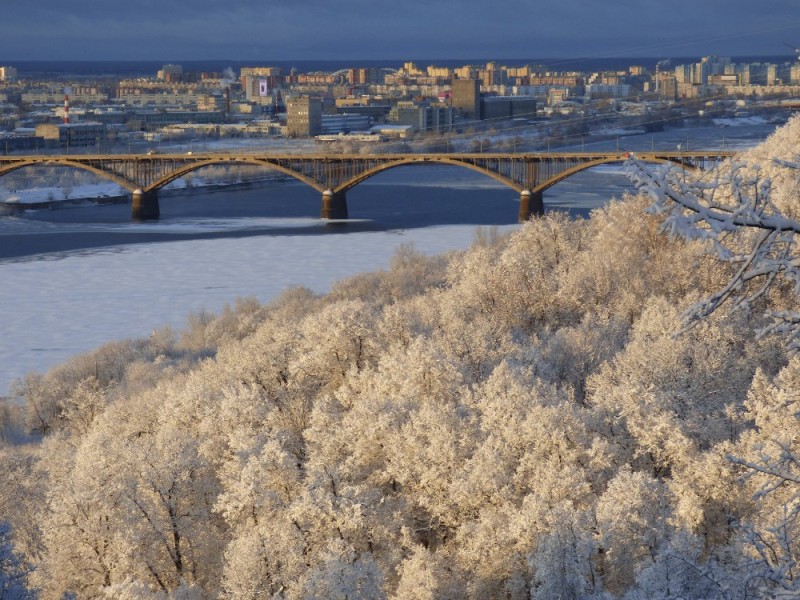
{"points": [[530, 174]]}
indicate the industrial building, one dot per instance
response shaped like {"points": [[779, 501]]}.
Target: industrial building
{"points": [[424, 118], [303, 116], [17, 141], [149, 120], [72, 134], [345, 123], [508, 107]]}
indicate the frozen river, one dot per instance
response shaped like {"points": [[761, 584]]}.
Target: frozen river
{"points": [[73, 279]]}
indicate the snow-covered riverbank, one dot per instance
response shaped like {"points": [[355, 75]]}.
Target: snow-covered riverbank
{"points": [[59, 304]]}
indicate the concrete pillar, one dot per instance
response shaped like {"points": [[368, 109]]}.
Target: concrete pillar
{"points": [[530, 205], [144, 205], [334, 205]]}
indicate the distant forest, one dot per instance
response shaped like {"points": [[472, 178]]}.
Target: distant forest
{"points": [[129, 68]]}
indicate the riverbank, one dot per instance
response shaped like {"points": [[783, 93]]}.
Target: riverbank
{"points": [[24, 200], [82, 277]]}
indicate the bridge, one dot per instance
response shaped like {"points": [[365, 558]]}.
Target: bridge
{"points": [[530, 174]]}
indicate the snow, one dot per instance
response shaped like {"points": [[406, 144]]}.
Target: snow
{"points": [[48, 194], [739, 121], [57, 306], [619, 131]]}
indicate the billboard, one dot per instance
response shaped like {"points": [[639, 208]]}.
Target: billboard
{"points": [[263, 87]]}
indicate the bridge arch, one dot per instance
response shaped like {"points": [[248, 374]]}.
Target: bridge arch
{"points": [[465, 162], [425, 160], [44, 162], [259, 162], [333, 175], [566, 173]]}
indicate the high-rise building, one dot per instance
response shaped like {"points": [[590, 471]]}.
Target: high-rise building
{"points": [[272, 75], [684, 73], [258, 89], [411, 68], [170, 73], [772, 74], [363, 76], [467, 97], [303, 116], [440, 72], [8, 74], [491, 75], [667, 86], [794, 74], [466, 72]]}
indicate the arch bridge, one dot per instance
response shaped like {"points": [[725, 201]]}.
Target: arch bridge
{"points": [[530, 174]]}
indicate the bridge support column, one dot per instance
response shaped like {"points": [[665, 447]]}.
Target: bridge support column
{"points": [[334, 205], [144, 205], [530, 205]]}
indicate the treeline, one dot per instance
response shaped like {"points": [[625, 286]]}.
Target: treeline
{"points": [[520, 420]]}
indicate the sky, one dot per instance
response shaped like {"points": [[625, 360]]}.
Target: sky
{"points": [[263, 30]]}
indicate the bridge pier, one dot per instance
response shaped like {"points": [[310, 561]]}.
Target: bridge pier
{"points": [[144, 205], [334, 205], [530, 205]]}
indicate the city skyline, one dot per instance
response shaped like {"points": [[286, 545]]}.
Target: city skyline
{"points": [[376, 29]]}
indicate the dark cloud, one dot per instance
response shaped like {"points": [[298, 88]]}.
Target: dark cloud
{"points": [[301, 29]]}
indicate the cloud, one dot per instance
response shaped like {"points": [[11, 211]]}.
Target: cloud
{"points": [[245, 29]]}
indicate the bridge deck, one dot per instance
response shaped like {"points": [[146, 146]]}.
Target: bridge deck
{"points": [[528, 173]]}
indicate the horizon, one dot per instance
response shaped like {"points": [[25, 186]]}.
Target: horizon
{"points": [[128, 67]]}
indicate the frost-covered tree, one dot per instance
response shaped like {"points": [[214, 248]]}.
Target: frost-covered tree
{"points": [[14, 571], [632, 524], [515, 421], [768, 458], [747, 210], [343, 574]]}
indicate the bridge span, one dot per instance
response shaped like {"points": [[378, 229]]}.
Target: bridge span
{"points": [[530, 174]]}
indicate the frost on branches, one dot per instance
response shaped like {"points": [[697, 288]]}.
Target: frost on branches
{"points": [[747, 210], [517, 421]]}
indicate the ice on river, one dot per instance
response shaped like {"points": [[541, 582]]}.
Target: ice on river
{"points": [[55, 306]]}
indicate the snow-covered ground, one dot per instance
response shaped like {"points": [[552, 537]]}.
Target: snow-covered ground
{"points": [[619, 131], [739, 121], [51, 194], [106, 189]]}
